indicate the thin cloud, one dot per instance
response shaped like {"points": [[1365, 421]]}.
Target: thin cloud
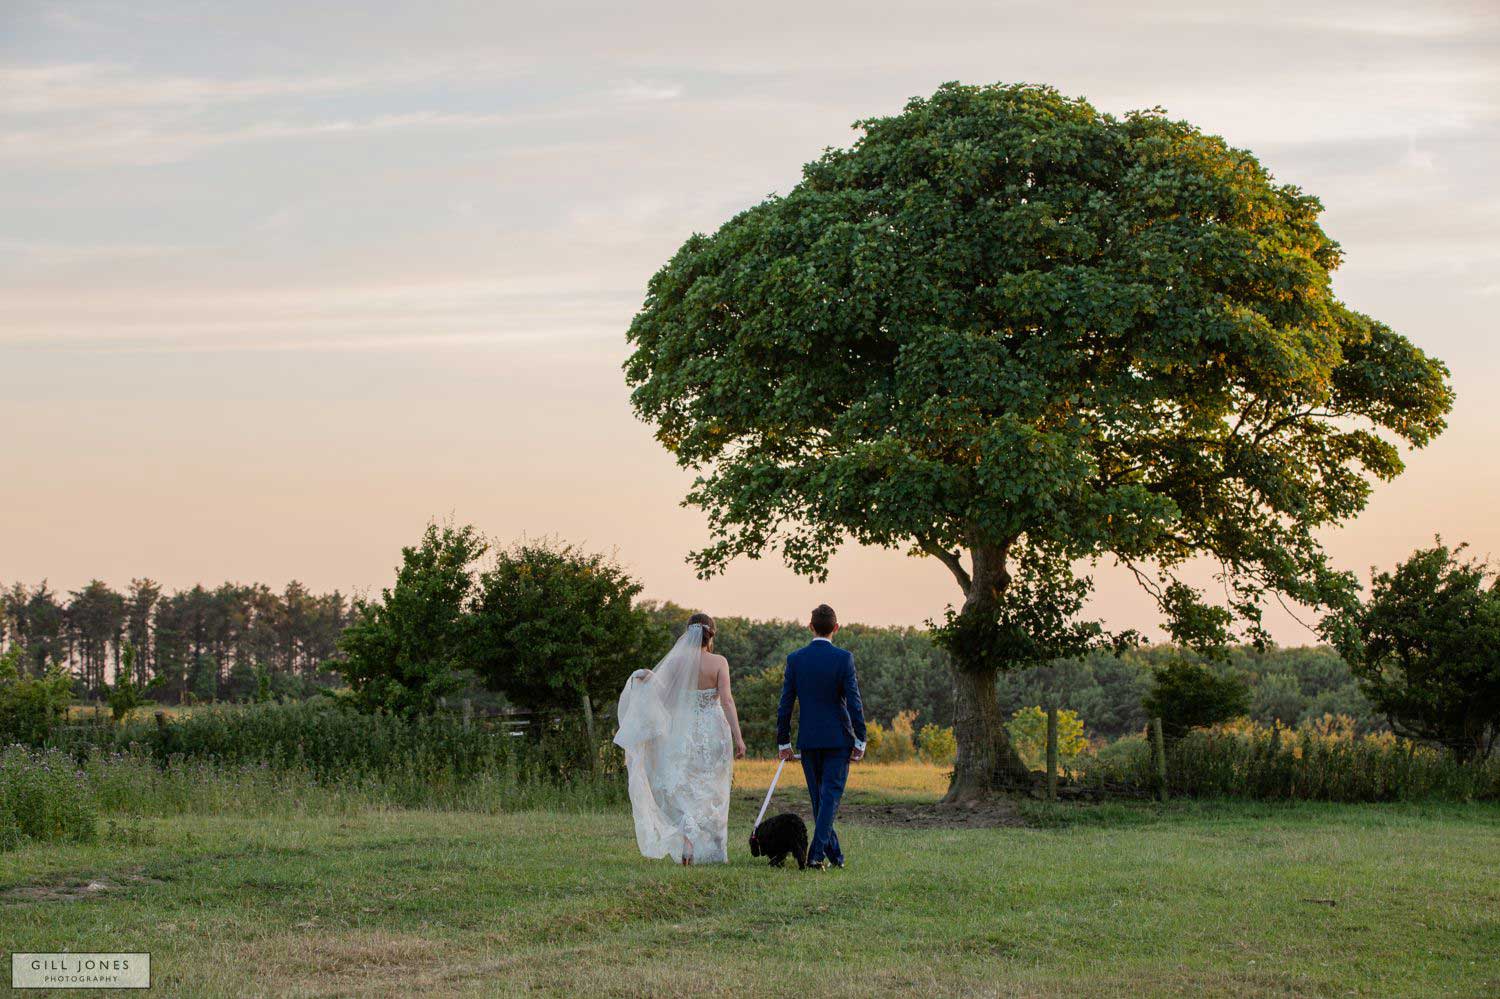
{"points": [[386, 316], [134, 142], [636, 91], [67, 87]]}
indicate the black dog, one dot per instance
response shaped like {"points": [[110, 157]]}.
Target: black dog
{"points": [[780, 836]]}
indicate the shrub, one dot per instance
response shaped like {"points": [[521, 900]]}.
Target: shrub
{"points": [[552, 624], [1186, 695], [407, 650], [1320, 761], [936, 744], [30, 706], [1028, 735], [896, 744], [1426, 647], [126, 695], [43, 797]]}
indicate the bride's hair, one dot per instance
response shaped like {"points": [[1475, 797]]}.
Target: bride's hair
{"points": [[708, 627]]}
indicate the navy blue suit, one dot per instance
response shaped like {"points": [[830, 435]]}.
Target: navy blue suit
{"points": [[831, 719]]}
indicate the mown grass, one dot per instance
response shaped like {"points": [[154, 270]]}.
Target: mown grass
{"points": [[1194, 899]]}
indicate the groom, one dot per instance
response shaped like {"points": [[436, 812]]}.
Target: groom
{"points": [[830, 728]]}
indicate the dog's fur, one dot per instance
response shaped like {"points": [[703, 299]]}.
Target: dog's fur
{"points": [[781, 836]]}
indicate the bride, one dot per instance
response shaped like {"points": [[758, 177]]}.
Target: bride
{"points": [[677, 725]]}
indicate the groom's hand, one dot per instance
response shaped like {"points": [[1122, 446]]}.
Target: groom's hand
{"points": [[855, 755], [785, 754]]}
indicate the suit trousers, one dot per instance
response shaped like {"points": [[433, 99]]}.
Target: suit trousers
{"points": [[826, 771]]}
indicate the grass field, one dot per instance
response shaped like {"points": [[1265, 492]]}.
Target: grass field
{"points": [[1227, 900]]}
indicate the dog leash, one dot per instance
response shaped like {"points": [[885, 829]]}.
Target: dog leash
{"points": [[769, 791]]}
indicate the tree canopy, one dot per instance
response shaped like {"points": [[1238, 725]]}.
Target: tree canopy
{"points": [[552, 624], [1006, 326], [411, 647]]}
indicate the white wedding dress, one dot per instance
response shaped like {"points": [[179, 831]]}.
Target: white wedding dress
{"points": [[679, 756]]}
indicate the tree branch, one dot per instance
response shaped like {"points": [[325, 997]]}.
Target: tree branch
{"points": [[950, 559]]}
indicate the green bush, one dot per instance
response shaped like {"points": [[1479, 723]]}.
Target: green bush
{"points": [[936, 744], [30, 707], [1426, 647], [552, 623], [896, 744], [1185, 696], [1028, 736], [405, 651], [44, 797], [126, 695]]}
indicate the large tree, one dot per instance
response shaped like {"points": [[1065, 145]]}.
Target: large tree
{"points": [[1018, 335]]}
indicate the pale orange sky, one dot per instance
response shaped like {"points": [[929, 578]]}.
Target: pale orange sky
{"points": [[278, 288]]}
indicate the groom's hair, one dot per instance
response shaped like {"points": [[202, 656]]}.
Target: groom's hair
{"points": [[824, 620]]}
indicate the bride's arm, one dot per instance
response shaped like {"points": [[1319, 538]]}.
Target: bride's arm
{"points": [[727, 700]]}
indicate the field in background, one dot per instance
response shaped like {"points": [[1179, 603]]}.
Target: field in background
{"points": [[903, 782], [81, 713]]}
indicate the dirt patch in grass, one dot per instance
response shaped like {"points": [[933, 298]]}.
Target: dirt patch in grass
{"points": [[998, 813], [353, 963], [76, 889]]}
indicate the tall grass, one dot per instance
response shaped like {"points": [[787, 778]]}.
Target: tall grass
{"points": [[48, 794], [333, 743], [1317, 762], [325, 757], [43, 797], [133, 783]]}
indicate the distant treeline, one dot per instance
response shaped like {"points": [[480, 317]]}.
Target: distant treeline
{"points": [[203, 644], [236, 641], [901, 669]]}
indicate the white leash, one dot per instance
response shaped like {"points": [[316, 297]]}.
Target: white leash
{"points": [[769, 791]]}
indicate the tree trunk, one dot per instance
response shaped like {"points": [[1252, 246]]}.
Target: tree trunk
{"points": [[986, 762]]}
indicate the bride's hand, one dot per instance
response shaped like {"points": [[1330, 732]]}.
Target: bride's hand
{"points": [[739, 749]]}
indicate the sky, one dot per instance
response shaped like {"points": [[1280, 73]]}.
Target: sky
{"points": [[281, 282]]}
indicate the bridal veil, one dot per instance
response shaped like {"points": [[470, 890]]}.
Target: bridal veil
{"points": [[656, 724]]}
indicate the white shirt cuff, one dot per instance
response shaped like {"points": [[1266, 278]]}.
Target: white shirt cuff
{"points": [[787, 746], [859, 746]]}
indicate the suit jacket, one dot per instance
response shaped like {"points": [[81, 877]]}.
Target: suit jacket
{"points": [[821, 676]]}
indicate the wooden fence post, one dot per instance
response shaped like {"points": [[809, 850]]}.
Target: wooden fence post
{"points": [[161, 721], [1052, 752], [588, 724], [468, 714], [588, 718], [1159, 755]]}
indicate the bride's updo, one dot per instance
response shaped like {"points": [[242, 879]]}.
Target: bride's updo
{"points": [[708, 627]]}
